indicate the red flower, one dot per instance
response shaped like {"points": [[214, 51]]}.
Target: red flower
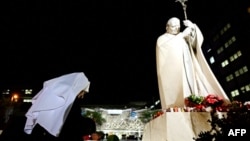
{"points": [[213, 100], [200, 107]]}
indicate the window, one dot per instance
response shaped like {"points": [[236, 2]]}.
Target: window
{"points": [[27, 100], [230, 42], [226, 44], [235, 56], [234, 93], [237, 73], [220, 50], [28, 91], [245, 69], [211, 60], [224, 63], [245, 88], [241, 71], [229, 77]]}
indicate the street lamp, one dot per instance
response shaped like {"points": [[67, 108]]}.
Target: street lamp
{"points": [[14, 98]]}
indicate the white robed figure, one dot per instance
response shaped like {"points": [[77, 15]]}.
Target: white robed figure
{"points": [[51, 106], [182, 69]]}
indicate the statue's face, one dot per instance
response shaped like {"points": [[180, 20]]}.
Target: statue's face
{"points": [[173, 26]]}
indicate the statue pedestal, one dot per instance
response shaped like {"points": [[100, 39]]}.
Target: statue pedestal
{"points": [[177, 126]]}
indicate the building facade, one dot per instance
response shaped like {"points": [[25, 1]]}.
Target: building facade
{"points": [[227, 51]]}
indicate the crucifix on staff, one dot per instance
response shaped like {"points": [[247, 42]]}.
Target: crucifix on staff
{"points": [[184, 6]]}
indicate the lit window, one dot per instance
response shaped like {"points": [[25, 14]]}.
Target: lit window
{"points": [[220, 50], [226, 44], [27, 100], [224, 63], [211, 60], [239, 53], [229, 77], [234, 93], [245, 88], [6, 92], [235, 56], [245, 69], [248, 87], [241, 71], [28, 91], [233, 38], [230, 42], [242, 89], [231, 58], [237, 73], [226, 27]]}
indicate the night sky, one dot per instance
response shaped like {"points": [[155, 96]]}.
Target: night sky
{"points": [[111, 41]]}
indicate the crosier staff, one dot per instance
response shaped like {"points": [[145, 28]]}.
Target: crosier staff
{"points": [[184, 6]]}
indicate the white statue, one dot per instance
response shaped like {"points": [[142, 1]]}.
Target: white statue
{"points": [[182, 69]]}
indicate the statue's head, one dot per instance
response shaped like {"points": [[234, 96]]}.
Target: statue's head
{"points": [[173, 26]]}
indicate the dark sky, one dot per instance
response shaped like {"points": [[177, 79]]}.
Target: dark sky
{"points": [[111, 41]]}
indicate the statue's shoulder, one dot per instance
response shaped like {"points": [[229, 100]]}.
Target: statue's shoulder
{"points": [[164, 36]]}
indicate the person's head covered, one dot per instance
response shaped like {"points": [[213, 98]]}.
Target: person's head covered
{"points": [[113, 138], [173, 26], [98, 135], [51, 106]]}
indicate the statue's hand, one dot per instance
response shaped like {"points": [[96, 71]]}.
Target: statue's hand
{"points": [[189, 28], [188, 23]]}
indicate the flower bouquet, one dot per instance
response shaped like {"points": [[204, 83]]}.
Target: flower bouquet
{"points": [[201, 103], [195, 101], [213, 101]]}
